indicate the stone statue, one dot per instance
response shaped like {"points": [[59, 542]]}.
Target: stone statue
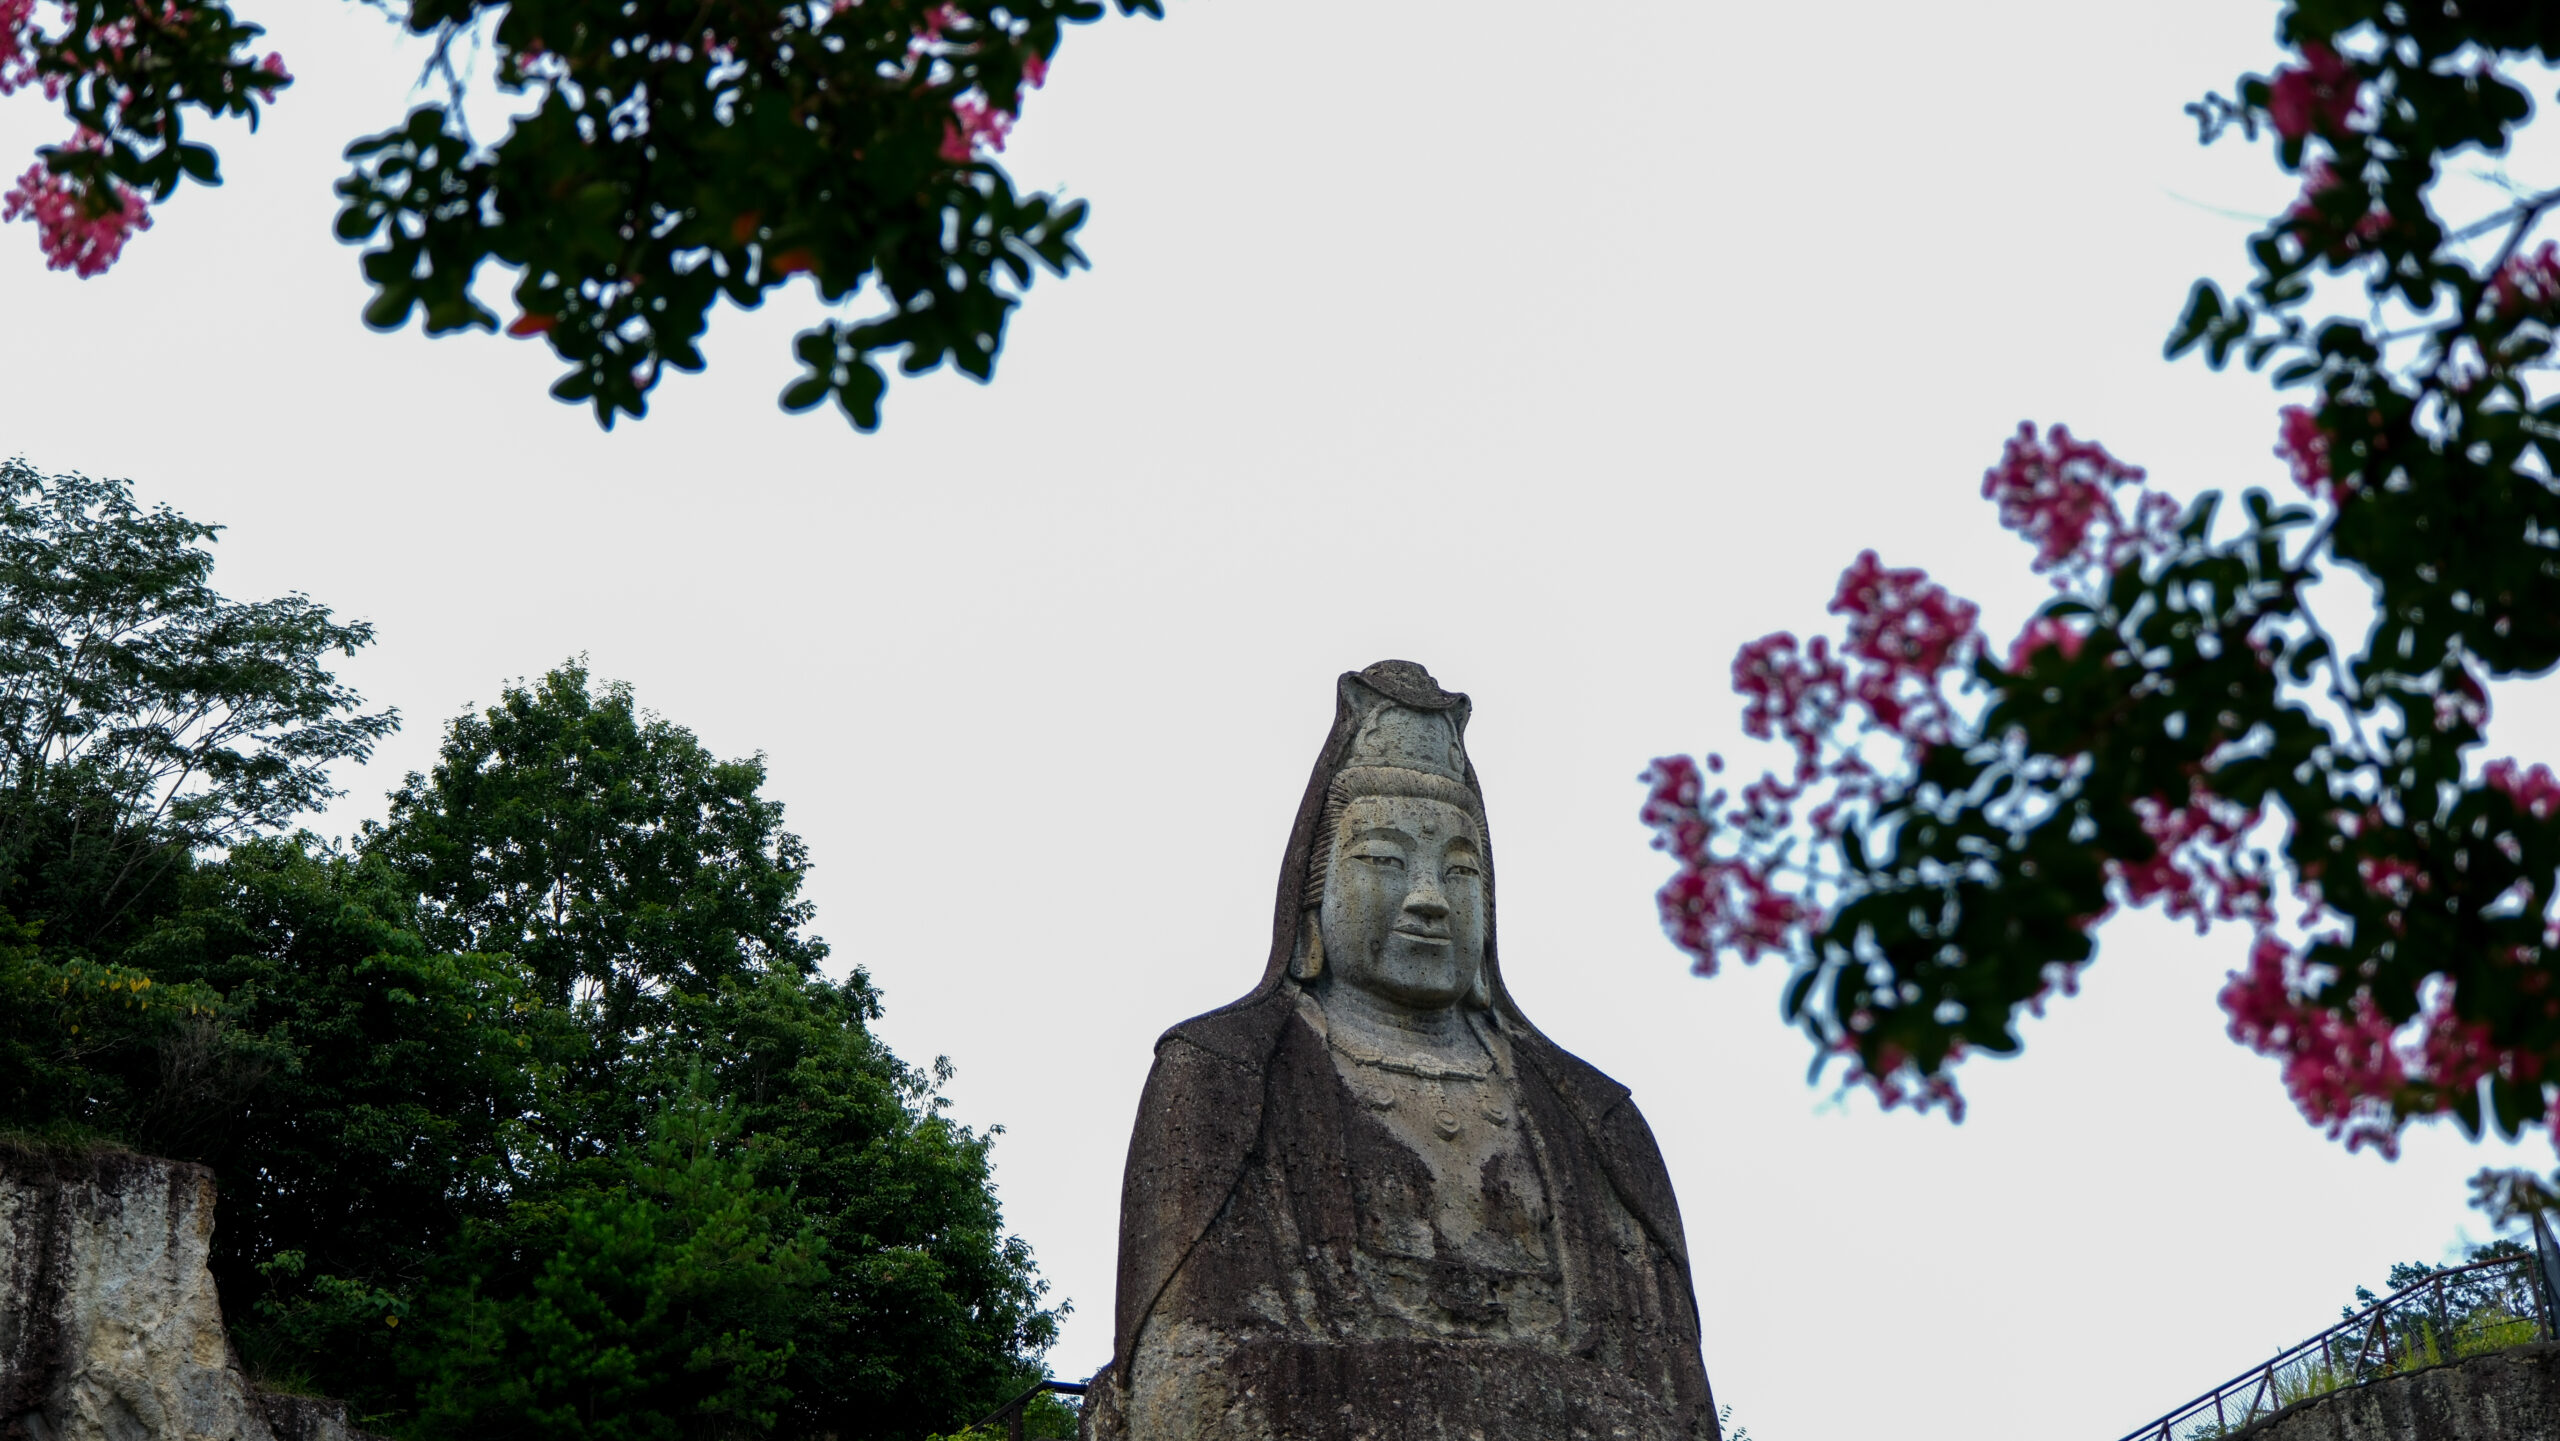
{"points": [[1370, 1200]]}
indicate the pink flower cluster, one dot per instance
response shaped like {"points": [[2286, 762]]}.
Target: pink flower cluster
{"points": [[2200, 869], [73, 236], [2353, 1071], [2527, 282], [1912, 633], [1908, 640], [2342, 1070], [1714, 904], [2314, 227], [977, 125], [2319, 95], [1760, 867], [73, 239], [2060, 494], [1794, 691], [18, 48], [2042, 633], [974, 126], [2302, 445], [1897, 1082], [2348, 1066], [2535, 791]]}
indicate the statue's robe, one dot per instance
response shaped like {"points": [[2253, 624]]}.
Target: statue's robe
{"points": [[1249, 1302]]}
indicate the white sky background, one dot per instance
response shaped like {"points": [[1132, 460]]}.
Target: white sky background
{"points": [[1562, 349]]}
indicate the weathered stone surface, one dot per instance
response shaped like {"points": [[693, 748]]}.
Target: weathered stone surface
{"points": [[2509, 1396], [1369, 1199], [306, 1418], [110, 1329]]}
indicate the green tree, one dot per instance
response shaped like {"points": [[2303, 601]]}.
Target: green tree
{"points": [[654, 893], [604, 848], [928, 1314], [143, 715], [366, 1096], [655, 1309]]}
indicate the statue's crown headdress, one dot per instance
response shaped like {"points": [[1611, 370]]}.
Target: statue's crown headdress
{"points": [[1410, 738]]}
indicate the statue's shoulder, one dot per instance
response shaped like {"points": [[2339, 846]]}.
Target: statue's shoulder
{"points": [[1242, 1033], [1588, 1089], [1627, 1151]]}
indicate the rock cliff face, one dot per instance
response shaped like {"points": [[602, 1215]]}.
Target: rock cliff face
{"points": [[110, 1329], [2507, 1396]]}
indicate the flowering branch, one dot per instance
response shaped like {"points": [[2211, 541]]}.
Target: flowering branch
{"points": [[2176, 726], [674, 152]]}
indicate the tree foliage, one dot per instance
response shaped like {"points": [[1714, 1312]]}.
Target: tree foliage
{"points": [[604, 849], [662, 156], [2180, 725], [532, 1113], [142, 715]]}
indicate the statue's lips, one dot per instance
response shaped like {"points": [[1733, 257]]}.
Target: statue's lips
{"points": [[1423, 936]]}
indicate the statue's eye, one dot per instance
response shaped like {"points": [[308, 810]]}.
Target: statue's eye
{"points": [[1465, 868], [1379, 858]]}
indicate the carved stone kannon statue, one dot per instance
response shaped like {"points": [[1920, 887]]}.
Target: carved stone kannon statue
{"points": [[1370, 1200]]}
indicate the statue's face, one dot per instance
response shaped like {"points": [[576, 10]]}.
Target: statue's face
{"points": [[1404, 906]]}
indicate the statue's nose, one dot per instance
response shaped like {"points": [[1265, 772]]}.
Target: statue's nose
{"points": [[1425, 900]]}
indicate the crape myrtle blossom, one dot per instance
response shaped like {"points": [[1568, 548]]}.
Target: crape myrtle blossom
{"points": [[2333, 218], [18, 48], [82, 212], [1761, 869], [72, 236], [2319, 96], [2304, 448], [2061, 495], [613, 197], [977, 126], [2342, 1070], [974, 127], [2180, 725], [1752, 875], [2351, 1070], [2528, 284], [1770, 867]]}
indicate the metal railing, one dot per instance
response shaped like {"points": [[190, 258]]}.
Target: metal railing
{"points": [[1010, 1413], [2457, 1312]]}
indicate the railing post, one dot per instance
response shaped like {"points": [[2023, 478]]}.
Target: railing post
{"points": [[2546, 1287]]}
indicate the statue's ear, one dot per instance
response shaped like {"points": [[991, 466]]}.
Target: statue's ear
{"points": [[1480, 995], [1308, 963]]}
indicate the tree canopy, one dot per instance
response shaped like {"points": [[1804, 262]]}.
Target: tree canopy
{"points": [[664, 156], [142, 715], [532, 1111]]}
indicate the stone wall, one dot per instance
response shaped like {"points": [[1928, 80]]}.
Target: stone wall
{"points": [[2509, 1396], [110, 1329]]}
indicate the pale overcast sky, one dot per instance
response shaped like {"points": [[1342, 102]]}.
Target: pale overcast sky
{"points": [[1561, 348]]}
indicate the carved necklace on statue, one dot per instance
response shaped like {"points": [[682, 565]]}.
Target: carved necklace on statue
{"points": [[1418, 1064], [1434, 1073]]}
